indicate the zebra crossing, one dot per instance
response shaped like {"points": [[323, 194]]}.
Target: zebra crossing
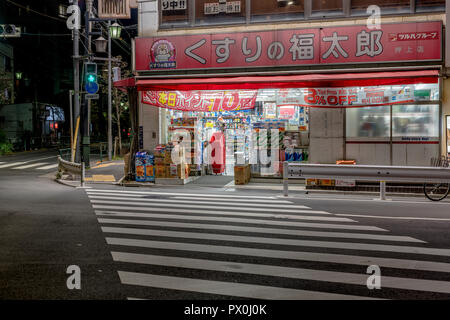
{"points": [[172, 244], [30, 164]]}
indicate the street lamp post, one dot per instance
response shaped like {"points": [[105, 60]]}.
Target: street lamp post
{"points": [[114, 31], [109, 94]]}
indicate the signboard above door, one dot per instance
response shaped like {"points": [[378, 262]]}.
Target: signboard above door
{"points": [[401, 42]]}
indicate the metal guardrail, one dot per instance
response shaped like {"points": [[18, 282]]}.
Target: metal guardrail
{"points": [[73, 168], [364, 172], [65, 154]]}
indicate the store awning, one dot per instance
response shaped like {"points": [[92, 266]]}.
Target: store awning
{"points": [[124, 83], [291, 81]]}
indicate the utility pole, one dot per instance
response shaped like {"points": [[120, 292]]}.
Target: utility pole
{"points": [[86, 104], [76, 80], [109, 95]]}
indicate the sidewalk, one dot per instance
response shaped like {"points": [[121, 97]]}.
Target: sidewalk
{"points": [[106, 172], [112, 172]]}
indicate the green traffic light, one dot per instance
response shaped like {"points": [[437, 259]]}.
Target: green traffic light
{"points": [[91, 78]]}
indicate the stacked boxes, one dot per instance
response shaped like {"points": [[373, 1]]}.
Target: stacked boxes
{"points": [[159, 153], [165, 168]]}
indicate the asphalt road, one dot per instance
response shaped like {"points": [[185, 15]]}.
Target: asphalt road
{"points": [[194, 242]]}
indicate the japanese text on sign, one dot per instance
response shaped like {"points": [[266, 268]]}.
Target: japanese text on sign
{"points": [[337, 45], [173, 5], [226, 7], [233, 100]]}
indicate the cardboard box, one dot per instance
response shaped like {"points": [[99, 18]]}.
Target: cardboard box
{"points": [[242, 174], [326, 182], [159, 161], [171, 171], [183, 171], [167, 157], [160, 171]]}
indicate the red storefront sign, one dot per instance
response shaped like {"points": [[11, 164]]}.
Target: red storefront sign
{"points": [[202, 100], [421, 41]]}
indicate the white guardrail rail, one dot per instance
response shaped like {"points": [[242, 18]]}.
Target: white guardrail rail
{"points": [[73, 168], [364, 172]]}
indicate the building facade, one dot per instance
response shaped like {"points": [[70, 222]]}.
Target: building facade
{"points": [[342, 79]]}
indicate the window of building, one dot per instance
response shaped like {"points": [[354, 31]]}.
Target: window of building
{"points": [[430, 5], [368, 122], [359, 7], [415, 120], [272, 10], [219, 12], [174, 12], [326, 8], [7, 64]]}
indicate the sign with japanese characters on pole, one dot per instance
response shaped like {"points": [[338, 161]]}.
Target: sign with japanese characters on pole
{"points": [[402, 42]]}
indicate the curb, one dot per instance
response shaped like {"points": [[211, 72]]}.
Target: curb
{"points": [[64, 183]]}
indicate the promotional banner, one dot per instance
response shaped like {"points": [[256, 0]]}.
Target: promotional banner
{"points": [[401, 42], [206, 101], [345, 97]]}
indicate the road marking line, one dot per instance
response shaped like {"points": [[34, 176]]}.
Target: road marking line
{"points": [[282, 254], [27, 166], [402, 218], [48, 167], [125, 196], [229, 184], [103, 178], [228, 288], [139, 200], [371, 200], [150, 202], [228, 213], [180, 194], [11, 164], [281, 241], [238, 220], [284, 272], [272, 231]]}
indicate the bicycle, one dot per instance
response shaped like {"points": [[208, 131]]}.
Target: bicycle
{"points": [[437, 191]]}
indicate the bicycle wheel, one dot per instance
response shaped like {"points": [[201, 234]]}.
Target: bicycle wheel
{"points": [[436, 191]]}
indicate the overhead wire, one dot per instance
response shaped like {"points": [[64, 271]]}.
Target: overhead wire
{"points": [[36, 12]]}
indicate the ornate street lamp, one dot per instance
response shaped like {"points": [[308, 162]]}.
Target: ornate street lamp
{"points": [[100, 44], [114, 30]]}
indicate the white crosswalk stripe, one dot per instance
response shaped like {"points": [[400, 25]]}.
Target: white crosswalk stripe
{"points": [[294, 273], [11, 164], [31, 165], [277, 231], [51, 166], [228, 288], [238, 219], [191, 236]]}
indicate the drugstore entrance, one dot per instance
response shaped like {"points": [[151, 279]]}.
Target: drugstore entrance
{"points": [[261, 138]]}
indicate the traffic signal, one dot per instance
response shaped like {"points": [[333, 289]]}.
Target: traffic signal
{"points": [[90, 72], [9, 30]]}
